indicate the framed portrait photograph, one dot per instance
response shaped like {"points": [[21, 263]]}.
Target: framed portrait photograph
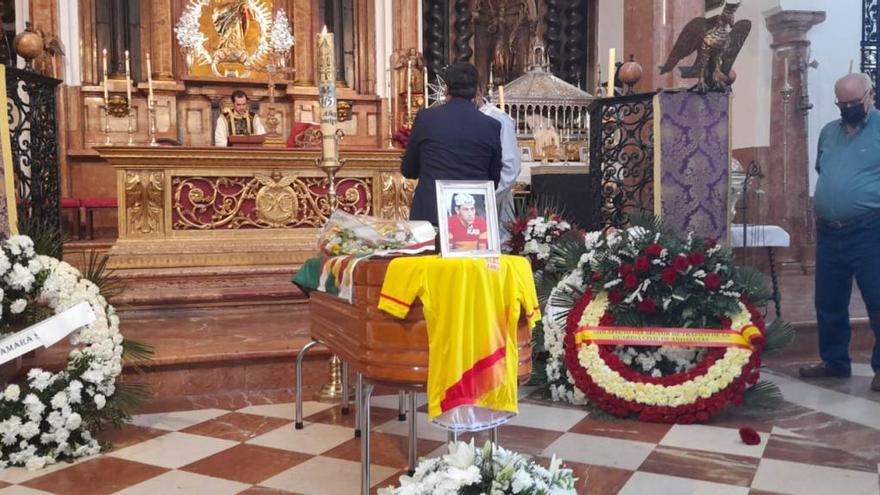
{"points": [[468, 219], [584, 154]]}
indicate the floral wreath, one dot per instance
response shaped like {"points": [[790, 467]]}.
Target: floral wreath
{"points": [[48, 418], [642, 286]]}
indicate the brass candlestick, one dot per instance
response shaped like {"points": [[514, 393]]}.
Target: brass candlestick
{"points": [[106, 108], [151, 114]]}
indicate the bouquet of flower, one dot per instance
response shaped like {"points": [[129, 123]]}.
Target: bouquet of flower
{"points": [[346, 234], [533, 234], [491, 469], [280, 37], [189, 36], [669, 287]]}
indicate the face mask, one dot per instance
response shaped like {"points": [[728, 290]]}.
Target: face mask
{"points": [[853, 115]]}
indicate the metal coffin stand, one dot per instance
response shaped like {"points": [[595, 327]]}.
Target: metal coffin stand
{"points": [[382, 349]]}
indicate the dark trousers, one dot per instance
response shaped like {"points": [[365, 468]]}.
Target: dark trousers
{"points": [[845, 250]]}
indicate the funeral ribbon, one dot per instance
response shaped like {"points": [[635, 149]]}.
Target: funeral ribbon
{"points": [[682, 337], [47, 332]]}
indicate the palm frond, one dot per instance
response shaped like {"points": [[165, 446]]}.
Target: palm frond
{"points": [[567, 252], [764, 395], [545, 282], [753, 283], [651, 222], [136, 353], [779, 335], [97, 272], [130, 397], [48, 239]]}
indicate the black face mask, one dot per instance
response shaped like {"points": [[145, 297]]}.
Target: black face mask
{"points": [[853, 115]]}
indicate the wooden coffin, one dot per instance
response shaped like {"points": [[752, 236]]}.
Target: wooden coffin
{"points": [[384, 348]]}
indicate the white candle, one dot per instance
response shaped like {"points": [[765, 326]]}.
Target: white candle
{"points": [[501, 96], [408, 88], [327, 93], [425, 84], [106, 95], [612, 57], [128, 78], [150, 79], [785, 71]]}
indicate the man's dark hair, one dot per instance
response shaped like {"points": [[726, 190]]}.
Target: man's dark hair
{"points": [[462, 79], [238, 94]]}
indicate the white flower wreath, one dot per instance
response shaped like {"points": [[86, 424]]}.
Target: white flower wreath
{"points": [[47, 419]]}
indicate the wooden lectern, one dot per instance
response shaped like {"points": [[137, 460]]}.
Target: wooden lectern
{"points": [[246, 141]]}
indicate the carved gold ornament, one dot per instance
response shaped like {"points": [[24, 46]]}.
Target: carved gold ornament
{"points": [[276, 201], [143, 201]]}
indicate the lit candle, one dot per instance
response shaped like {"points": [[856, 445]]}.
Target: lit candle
{"points": [[501, 96], [425, 84], [785, 71], [327, 93], [128, 79], [106, 95], [612, 57], [149, 79], [408, 88]]}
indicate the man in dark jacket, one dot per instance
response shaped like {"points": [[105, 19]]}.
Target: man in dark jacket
{"points": [[454, 141]]}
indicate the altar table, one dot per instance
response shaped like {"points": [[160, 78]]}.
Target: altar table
{"points": [[208, 207]]}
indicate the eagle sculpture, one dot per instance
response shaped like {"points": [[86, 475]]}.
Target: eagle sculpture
{"points": [[717, 41]]}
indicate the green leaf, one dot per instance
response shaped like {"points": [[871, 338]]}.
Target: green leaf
{"points": [[97, 272], [779, 335], [764, 395], [48, 239]]}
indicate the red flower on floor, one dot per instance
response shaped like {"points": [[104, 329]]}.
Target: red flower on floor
{"points": [[642, 264], [749, 436], [648, 306], [711, 243], [625, 269], [631, 281], [597, 276], [614, 297]]}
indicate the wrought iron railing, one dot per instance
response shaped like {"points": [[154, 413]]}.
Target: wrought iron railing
{"points": [[622, 156], [871, 41], [33, 135]]}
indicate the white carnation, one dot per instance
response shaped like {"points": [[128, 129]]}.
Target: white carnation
{"points": [[12, 392], [17, 306]]}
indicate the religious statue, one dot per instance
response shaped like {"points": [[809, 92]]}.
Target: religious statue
{"points": [[505, 21], [717, 41], [231, 20]]}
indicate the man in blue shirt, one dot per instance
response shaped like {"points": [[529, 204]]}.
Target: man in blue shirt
{"points": [[847, 226]]}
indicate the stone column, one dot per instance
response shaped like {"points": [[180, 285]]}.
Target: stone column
{"points": [[161, 42], [650, 35], [787, 172]]}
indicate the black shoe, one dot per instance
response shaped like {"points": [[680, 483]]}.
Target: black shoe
{"points": [[875, 383], [822, 370]]}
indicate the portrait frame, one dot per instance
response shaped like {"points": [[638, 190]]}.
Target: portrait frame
{"points": [[525, 154], [584, 154], [485, 212]]}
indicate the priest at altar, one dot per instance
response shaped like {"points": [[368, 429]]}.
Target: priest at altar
{"points": [[237, 121]]}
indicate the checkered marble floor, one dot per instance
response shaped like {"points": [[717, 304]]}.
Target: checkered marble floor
{"points": [[822, 441]]}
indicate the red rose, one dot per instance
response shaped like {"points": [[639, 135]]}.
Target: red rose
{"points": [[749, 436], [713, 281], [642, 264], [597, 276], [696, 258], [725, 322], [681, 263], [654, 250], [614, 297], [647, 306], [668, 275], [711, 243], [631, 281], [607, 319], [625, 269]]}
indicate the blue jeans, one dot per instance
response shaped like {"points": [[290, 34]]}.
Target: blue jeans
{"points": [[845, 250]]}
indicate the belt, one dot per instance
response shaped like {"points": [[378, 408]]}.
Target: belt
{"points": [[848, 222]]}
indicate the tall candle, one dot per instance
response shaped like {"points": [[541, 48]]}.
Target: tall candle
{"points": [[408, 88], [128, 78], [612, 58], [327, 93], [149, 79], [501, 96], [425, 86], [106, 95], [785, 71]]}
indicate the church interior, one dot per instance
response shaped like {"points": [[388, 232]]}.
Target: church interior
{"points": [[214, 278]]}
